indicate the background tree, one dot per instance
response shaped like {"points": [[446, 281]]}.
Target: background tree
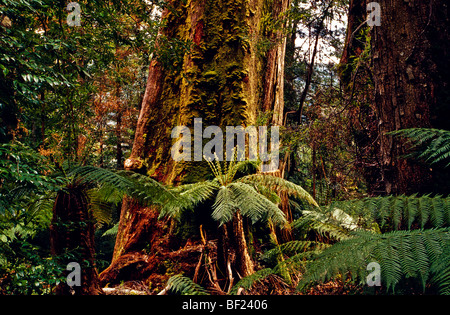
{"points": [[409, 82]]}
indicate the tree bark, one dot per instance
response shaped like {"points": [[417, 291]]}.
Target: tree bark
{"points": [[224, 79], [407, 75], [72, 232]]}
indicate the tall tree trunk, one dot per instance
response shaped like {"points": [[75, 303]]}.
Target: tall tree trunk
{"points": [[225, 79], [409, 80]]}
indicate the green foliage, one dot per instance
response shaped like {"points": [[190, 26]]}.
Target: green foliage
{"points": [[246, 194], [431, 145], [247, 282], [292, 248], [181, 285], [398, 212], [440, 272], [278, 185], [401, 255], [50, 72], [26, 269]]}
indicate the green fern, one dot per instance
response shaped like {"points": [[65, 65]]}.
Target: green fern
{"points": [[292, 248], [247, 282], [252, 195], [181, 285], [278, 185], [398, 212], [440, 272], [324, 223], [432, 145], [187, 197], [140, 187], [401, 255]]}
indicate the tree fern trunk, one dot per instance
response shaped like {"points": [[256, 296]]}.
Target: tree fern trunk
{"points": [[72, 232], [226, 80]]}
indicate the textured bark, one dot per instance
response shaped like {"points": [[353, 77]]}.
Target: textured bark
{"points": [[273, 99], [407, 73], [404, 72], [225, 80], [356, 18]]}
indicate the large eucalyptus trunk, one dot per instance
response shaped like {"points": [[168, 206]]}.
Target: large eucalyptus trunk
{"points": [[226, 79], [410, 80]]}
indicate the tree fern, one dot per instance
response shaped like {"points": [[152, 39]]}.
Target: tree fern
{"points": [[252, 195], [401, 255], [398, 212], [278, 185], [432, 145]]}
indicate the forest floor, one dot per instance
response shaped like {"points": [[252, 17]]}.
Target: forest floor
{"points": [[189, 261]]}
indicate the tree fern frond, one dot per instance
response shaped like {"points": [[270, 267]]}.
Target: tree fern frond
{"points": [[401, 255], [187, 197], [278, 185], [181, 285], [112, 232], [140, 187], [323, 223], [292, 248], [432, 145], [224, 206], [440, 272], [147, 190], [100, 207], [247, 282], [239, 196], [399, 212], [254, 205], [91, 174]]}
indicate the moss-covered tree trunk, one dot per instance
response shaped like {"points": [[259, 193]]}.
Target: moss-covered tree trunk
{"points": [[410, 82], [232, 73]]}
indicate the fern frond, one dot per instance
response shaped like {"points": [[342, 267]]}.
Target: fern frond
{"points": [[187, 197], [112, 232], [100, 207], [293, 248], [239, 196], [254, 205], [140, 187], [323, 223], [398, 212], [181, 285], [440, 272], [147, 190], [401, 255], [91, 174], [432, 145], [279, 185], [247, 282], [224, 206]]}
